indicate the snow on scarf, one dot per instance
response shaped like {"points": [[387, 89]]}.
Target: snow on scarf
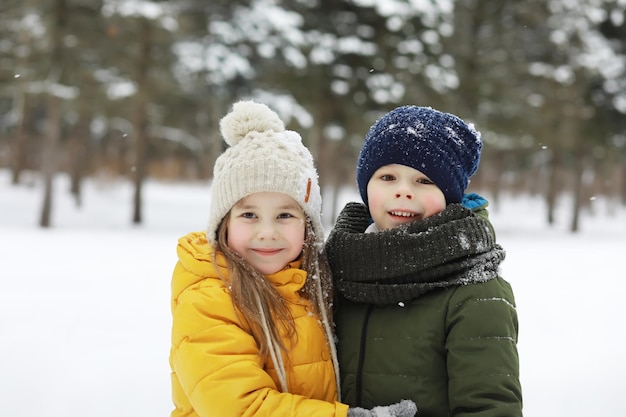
{"points": [[454, 247]]}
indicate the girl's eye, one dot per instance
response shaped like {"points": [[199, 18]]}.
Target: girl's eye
{"points": [[285, 216], [248, 215]]}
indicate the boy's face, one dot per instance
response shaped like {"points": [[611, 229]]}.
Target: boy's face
{"points": [[399, 194]]}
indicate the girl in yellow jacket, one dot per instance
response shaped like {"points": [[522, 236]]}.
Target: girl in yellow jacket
{"points": [[252, 327]]}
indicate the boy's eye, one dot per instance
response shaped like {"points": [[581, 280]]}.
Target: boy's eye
{"points": [[425, 181], [387, 177]]}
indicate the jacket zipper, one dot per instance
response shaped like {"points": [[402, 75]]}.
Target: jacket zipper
{"points": [[362, 344]]}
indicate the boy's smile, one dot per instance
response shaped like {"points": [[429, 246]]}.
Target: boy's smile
{"points": [[401, 213], [399, 194]]}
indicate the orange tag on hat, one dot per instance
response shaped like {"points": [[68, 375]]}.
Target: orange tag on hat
{"points": [[308, 191]]}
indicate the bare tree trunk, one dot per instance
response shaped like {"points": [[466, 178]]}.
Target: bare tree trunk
{"points": [[579, 178], [326, 157], [49, 157], [216, 144], [49, 154], [498, 177], [20, 145], [21, 139], [140, 121], [552, 190], [622, 176], [79, 156], [334, 200]]}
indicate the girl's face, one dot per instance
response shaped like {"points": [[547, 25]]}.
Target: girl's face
{"points": [[400, 194], [267, 230]]}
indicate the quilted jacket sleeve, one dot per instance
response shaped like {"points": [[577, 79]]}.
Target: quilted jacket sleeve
{"points": [[481, 346], [216, 369]]}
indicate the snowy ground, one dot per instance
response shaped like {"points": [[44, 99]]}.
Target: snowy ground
{"points": [[84, 306]]}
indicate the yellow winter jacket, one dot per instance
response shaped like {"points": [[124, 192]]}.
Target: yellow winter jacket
{"points": [[216, 369]]}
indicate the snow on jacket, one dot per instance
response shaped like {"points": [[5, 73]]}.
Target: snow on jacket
{"points": [[446, 340], [215, 362]]}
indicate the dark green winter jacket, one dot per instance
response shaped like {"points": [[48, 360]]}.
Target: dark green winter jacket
{"points": [[422, 314]]}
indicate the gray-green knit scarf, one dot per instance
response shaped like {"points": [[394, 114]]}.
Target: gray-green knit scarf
{"points": [[451, 248]]}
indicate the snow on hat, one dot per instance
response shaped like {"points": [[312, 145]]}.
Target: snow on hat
{"points": [[262, 157], [440, 145]]}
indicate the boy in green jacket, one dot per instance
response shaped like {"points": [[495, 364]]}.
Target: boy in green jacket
{"points": [[422, 311]]}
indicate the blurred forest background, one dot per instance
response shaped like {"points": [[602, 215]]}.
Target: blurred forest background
{"points": [[110, 89]]}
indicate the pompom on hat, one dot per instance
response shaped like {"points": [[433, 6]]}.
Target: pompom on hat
{"points": [[262, 157], [440, 145]]}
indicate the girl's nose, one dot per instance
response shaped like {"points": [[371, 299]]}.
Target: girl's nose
{"points": [[266, 231]]}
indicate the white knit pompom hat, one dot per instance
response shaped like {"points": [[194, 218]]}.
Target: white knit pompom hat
{"points": [[263, 157]]}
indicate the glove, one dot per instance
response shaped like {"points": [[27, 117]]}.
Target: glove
{"points": [[405, 408]]}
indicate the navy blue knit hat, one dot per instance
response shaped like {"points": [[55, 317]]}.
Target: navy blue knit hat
{"points": [[440, 145]]}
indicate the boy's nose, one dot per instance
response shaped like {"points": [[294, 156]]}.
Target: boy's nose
{"points": [[404, 191], [404, 194]]}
